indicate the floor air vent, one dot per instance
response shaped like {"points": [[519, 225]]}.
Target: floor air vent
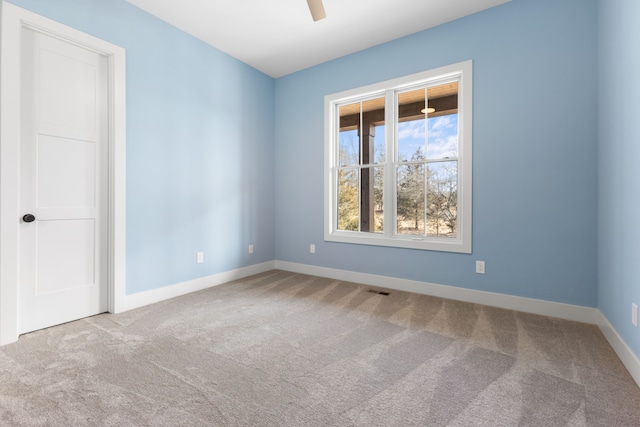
{"points": [[373, 291]]}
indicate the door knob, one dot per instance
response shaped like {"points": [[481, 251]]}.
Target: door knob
{"points": [[28, 218]]}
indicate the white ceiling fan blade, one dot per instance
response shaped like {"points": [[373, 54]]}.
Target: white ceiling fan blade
{"points": [[317, 9]]}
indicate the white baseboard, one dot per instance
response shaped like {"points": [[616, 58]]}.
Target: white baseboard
{"points": [[527, 305], [152, 296], [628, 358]]}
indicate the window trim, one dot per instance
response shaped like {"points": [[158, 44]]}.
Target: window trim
{"points": [[462, 243]]}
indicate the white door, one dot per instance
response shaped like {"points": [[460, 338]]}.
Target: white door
{"points": [[63, 182]]}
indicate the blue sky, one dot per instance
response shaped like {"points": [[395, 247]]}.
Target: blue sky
{"points": [[443, 137], [442, 132]]}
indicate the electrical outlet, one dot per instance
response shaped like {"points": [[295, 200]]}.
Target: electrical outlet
{"points": [[634, 314], [480, 267], [250, 249], [200, 257], [312, 248]]}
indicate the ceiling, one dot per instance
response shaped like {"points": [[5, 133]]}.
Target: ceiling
{"points": [[278, 37]]}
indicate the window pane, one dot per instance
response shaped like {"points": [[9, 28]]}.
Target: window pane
{"points": [[411, 125], [349, 148], [379, 199], [373, 131], [349, 136], [442, 199], [443, 137], [348, 197], [443, 121], [411, 136], [379, 146], [410, 199], [370, 197]]}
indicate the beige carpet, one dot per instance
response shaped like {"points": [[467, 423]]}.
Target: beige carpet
{"points": [[283, 349]]}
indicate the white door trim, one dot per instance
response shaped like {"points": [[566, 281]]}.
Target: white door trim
{"points": [[14, 19]]}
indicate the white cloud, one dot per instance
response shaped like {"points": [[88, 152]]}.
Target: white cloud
{"points": [[443, 137], [411, 130], [443, 147], [443, 122]]}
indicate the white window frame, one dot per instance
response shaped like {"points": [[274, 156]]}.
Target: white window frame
{"points": [[462, 242]]}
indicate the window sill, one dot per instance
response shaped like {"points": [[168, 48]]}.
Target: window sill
{"points": [[440, 244]]}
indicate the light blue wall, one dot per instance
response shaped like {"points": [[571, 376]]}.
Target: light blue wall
{"points": [[618, 167], [200, 149], [535, 144]]}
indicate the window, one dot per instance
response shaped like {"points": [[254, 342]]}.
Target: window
{"points": [[398, 162]]}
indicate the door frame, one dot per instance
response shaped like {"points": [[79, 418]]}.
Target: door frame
{"points": [[14, 19]]}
